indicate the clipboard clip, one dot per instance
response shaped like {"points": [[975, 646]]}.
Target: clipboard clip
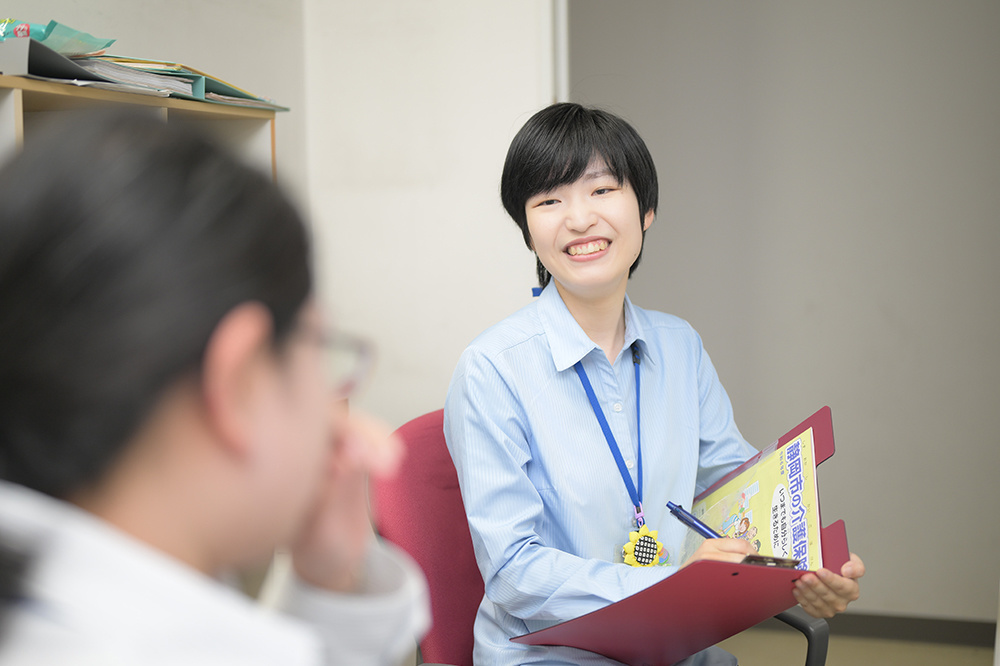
{"points": [[771, 561]]}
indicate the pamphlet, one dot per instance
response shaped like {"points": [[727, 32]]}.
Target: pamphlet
{"points": [[773, 504]]}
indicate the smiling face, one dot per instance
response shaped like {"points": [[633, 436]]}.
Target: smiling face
{"points": [[555, 148], [588, 233]]}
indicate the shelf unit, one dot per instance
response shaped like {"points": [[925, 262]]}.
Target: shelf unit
{"points": [[24, 102]]}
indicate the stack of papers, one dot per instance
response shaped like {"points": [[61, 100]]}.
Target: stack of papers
{"points": [[57, 53], [204, 86], [136, 77]]}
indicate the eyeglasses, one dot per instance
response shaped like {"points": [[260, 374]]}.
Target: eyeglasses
{"points": [[347, 359]]}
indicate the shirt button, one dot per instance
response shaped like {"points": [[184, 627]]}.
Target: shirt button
{"points": [[629, 464], [617, 406]]}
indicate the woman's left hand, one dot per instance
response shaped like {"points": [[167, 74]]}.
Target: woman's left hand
{"points": [[824, 593]]}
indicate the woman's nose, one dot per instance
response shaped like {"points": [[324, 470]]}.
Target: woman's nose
{"points": [[579, 216]]}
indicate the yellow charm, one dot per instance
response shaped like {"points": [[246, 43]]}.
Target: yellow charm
{"points": [[642, 549]]}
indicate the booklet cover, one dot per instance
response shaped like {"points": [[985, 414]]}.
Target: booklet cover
{"points": [[773, 504]]}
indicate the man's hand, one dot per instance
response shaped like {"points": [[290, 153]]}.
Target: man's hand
{"points": [[330, 550]]}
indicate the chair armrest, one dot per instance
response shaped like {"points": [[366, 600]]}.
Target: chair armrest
{"points": [[816, 630]]}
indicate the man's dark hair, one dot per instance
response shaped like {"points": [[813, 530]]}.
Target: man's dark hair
{"points": [[124, 240]]}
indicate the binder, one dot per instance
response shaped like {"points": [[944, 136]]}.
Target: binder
{"points": [[24, 56], [703, 603], [207, 88]]}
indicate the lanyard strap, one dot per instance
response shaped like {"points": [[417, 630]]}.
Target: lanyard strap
{"points": [[634, 494]]}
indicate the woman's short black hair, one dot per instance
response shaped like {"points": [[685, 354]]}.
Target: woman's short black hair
{"points": [[555, 147], [124, 241]]}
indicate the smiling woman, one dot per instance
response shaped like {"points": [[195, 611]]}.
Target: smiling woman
{"points": [[573, 422]]}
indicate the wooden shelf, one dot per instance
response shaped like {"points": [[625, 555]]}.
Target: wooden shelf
{"points": [[23, 101]]}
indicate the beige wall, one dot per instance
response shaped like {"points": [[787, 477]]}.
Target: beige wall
{"points": [[830, 222], [410, 110]]}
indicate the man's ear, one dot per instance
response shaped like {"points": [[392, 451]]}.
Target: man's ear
{"points": [[647, 220], [235, 362]]}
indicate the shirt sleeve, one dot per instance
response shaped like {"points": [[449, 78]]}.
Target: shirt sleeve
{"points": [[722, 447], [488, 436], [378, 625]]}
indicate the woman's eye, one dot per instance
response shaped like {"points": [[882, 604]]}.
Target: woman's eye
{"points": [[604, 190], [547, 202]]}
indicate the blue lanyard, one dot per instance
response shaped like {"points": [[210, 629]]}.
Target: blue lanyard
{"points": [[634, 494]]}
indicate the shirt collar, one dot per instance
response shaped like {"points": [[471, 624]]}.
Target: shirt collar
{"points": [[567, 341]]}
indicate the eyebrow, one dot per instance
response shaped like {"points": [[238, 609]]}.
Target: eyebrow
{"points": [[594, 174]]}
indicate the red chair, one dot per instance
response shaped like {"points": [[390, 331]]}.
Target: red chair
{"points": [[421, 511]]}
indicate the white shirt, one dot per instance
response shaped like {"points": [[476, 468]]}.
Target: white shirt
{"points": [[94, 595]]}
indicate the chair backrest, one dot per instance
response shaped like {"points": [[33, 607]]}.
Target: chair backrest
{"points": [[421, 511]]}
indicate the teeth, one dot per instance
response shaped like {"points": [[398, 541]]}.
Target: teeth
{"points": [[588, 248]]}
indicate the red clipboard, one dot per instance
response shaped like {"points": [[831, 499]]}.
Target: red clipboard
{"points": [[703, 603]]}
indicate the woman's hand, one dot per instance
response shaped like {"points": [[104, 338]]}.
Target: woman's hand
{"points": [[824, 593], [722, 550], [821, 594]]}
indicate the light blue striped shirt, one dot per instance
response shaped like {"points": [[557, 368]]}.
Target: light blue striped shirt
{"points": [[547, 506]]}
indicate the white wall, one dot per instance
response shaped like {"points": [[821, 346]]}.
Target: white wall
{"points": [[411, 107], [830, 222]]}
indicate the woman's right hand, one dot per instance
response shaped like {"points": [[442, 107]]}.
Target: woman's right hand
{"points": [[722, 550]]}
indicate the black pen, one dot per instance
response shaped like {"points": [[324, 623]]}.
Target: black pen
{"points": [[692, 522]]}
